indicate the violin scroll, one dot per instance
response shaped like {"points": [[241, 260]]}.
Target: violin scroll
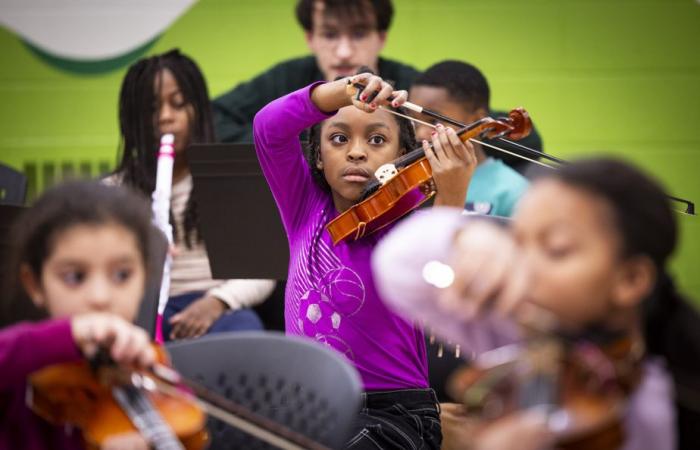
{"points": [[519, 119]]}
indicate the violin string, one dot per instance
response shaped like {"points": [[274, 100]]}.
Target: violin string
{"points": [[524, 147], [413, 119], [512, 153], [537, 152]]}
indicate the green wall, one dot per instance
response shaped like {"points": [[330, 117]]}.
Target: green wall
{"points": [[614, 76]]}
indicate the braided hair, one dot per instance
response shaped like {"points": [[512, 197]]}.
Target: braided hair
{"points": [[139, 131]]}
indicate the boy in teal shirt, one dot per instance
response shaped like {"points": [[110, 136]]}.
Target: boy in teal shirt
{"points": [[460, 91]]}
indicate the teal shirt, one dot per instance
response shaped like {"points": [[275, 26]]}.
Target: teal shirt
{"points": [[495, 189]]}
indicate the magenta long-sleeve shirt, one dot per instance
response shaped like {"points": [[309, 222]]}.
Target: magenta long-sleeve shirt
{"points": [[398, 265], [24, 349], [331, 296]]}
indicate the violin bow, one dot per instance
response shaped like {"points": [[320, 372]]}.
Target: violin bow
{"points": [[166, 380], [689, 205]]}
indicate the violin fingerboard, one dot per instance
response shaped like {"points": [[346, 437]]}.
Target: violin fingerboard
{"points": [[145, 418]]}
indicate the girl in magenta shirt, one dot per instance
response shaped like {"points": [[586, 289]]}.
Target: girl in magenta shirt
{"points": [[330, 294]]}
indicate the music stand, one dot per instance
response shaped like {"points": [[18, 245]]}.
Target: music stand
{"points": [[238, 216]]}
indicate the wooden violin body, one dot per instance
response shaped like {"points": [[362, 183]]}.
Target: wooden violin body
{"points": [[407, 182], [73, 393], [583, 392]]}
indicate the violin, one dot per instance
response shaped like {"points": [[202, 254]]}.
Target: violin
{"points": [[406, 183], [102, 403], [168, 410], [581, 384]]}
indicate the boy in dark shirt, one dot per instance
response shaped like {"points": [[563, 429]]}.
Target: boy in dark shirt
{"points": [[343, 36]]}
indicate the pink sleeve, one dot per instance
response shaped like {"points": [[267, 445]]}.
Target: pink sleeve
{"points": [[276, 131], [28, 347], [398, 263]]}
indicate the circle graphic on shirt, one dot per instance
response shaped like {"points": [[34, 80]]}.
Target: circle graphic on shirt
{"points": [[344, 289], [337, 344]]}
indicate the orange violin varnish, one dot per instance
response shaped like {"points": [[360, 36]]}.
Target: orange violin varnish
{"points": [[73, 393]]}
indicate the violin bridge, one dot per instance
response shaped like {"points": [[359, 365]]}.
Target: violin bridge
{"points": [[385, 173]]}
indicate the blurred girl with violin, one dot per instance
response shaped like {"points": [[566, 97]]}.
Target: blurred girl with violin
{"points": [[167, 94], [80, 255], [588, 246], [330, 294]]}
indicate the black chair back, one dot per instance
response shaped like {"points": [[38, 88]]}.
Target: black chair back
{"points": [[290, 380]]}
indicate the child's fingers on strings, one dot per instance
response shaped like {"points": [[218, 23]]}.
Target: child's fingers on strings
{"points": [[463, 150], [449, 147], [131, 345], [470, 152], [430, 154], [127, 344], [437, 143]]}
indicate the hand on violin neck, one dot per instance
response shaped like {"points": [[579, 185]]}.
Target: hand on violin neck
{"points": [[332, 96], [489, 274], [453, 163], [126, 343]]}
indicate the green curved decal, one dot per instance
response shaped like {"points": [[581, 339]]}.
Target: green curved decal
{"points": [[91, 67]]}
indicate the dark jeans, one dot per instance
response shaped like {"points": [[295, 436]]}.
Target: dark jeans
{"points": [[239, 320], [407, 419]]}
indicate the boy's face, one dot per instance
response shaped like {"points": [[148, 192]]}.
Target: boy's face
{"points": [[353, 146], [344, 44], [438, 99]]}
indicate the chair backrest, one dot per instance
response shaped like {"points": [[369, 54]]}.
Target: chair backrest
{"points": [[148, 309], [291, 380], [13, 186]]}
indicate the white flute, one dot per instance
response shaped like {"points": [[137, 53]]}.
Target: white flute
{"points": [[161, 208]]}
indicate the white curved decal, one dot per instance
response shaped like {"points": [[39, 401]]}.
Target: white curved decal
{"points": [[90, 29]]}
